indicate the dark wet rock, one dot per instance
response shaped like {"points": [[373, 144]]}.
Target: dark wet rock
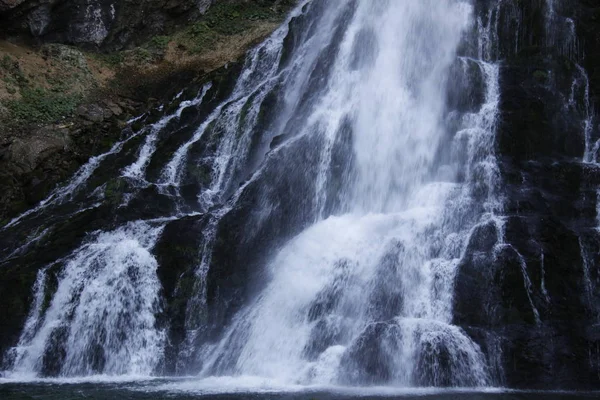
{"points": [[27, 154], [39, 20], [386, 302], [8, 4], [550, 208], [93, 113], [365, 49], [97, 24], [329, 298], [277, 140], [370, 359], [245, 240], [179, 254], [327, 332], [342, 167], [466, 85]]}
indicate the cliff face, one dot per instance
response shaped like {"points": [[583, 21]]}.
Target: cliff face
{"points": [[548, 141], [102, 24]]}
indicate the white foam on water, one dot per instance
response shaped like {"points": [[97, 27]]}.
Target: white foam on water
{"points": [[248, 384]]}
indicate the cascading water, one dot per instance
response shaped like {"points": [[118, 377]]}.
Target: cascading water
{"points": [[355, 156], [379, 278], [102, 315]]}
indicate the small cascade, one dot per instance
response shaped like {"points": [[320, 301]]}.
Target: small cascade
{"points": [[590, 281], [65, 193], [528, 287], [581, 89], [138, 168], [562, 38], [102, 317], [543, 280], [560, 31], [33, 320]]}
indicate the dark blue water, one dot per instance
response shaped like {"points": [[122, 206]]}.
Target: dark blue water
{"points": [[180, 390]]}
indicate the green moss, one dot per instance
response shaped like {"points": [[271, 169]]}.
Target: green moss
{"points": [[199, 37], [160, 42], [245, 110], [6, 63], [226, 19], [41, 105], [142, 55], [234, 18], [114, 189], [114, 58], [109, 59], [15, 75], [540, 76]]}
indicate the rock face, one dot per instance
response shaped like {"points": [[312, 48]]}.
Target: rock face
{"points": [[104, 24], [8, 4], [546, 141], [26, 154], [42, 142]]}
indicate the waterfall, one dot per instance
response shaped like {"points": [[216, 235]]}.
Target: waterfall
{"points": [[377, 276], [351, 163]]}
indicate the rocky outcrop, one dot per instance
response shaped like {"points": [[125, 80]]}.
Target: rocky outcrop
{"points": [[8, 4], [106, 24], [110, 25]]}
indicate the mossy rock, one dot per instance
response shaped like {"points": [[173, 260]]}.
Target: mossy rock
{"points": [[114, 190], [540, 75], [42, 105]]}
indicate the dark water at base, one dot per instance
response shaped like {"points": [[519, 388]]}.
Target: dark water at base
{"points": [[154, 390]]}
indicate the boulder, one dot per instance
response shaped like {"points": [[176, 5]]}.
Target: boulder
{"points": [[26, 154]]}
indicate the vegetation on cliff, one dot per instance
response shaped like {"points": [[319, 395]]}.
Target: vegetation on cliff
{"points": [[61, 104]]}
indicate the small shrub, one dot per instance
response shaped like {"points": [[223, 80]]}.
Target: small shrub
{"points": [[160, 42], [141, 55], [112, 59], [40, 105], [6, 62]]}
